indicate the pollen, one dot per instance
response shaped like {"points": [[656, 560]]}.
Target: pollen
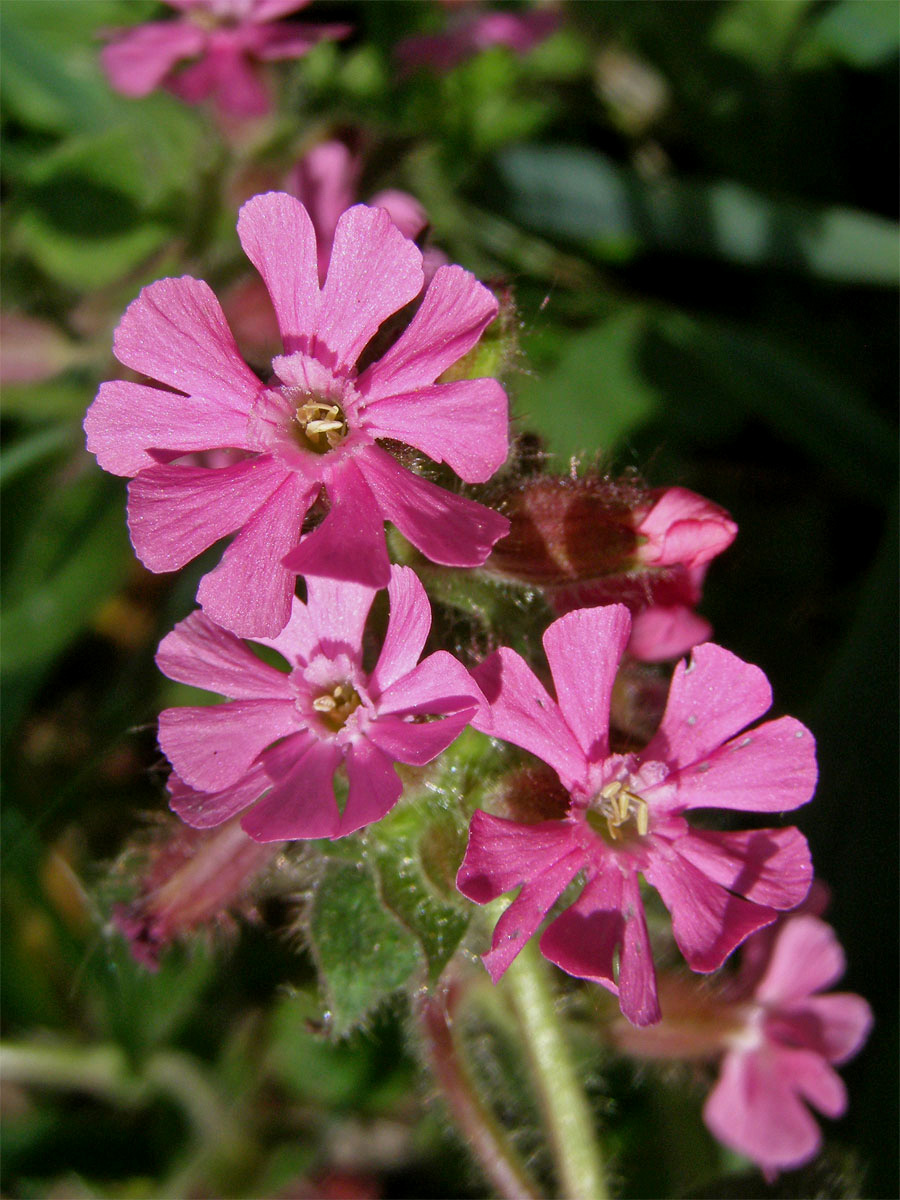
{"points": [[620, 807], [322, 425], [335, 706]]}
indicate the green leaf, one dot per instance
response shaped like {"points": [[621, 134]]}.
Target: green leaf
{"points": [[362, 951], [861, 33]]}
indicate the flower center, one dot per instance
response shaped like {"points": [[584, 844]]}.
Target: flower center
{"points": [[335, 707], [321, 425], [619, 808]]}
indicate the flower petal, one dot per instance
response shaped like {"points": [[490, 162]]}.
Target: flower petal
{"points": [[373, 272], [200, 653], [447, 528], [583, 649], [501, 854], [684, 529], [127, 420], [665, 631], [375, 787], [768, 866], [769, 769], [175, 512], [138, 60], [301, 803], [278, 237], [712, 697], [411, 742], [212, 748], [176, 332], [464, 424], [806, 958], [454, 313], [842, 1022], [439, 684], [203, 810], [523, 713], [409, 623]]}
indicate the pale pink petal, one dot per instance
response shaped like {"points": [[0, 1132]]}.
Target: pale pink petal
{"points": [[583, 649], [137, 61], [523, 713], [203, 810], [278, 238], [127, 420], [768, 866], [301, 803], [451, 318], [685, 529], [211, 748], [712, 697], [754, 1110], [325, 182], [608, 916], [666, 631], [239, 90], [501, 853], [374, 271], [199, 653], [814, 1079], [439, 684], [448, 529], [404, 210], [806, 958], [708, 922], [336, 613], [176, 512], [464, 424], [250, 592], [349, 544], [841, 1020], [375, 787], [409, 623], [176, 332], [299, 638], [769, 769], [413, 742]]}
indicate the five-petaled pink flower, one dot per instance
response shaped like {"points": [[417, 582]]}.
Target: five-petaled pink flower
{"points": [[223, 40], [313, 431], [627, 812], [279, 741], [781, 1044]]}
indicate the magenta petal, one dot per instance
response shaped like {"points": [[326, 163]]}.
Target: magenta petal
{"points": [[409, 742], [349, 544], [583, 649], [374, 271], [501, 853], [439, 684], [453, 315], [666, 631], [842, 1022], [754, 1110], [127, 420], [815, 1080], [375, 787], [685, 529], [768, 866], [203, 810], [523, 713], [448, 529], [175, 512], [336, 614], [198, 652], [708, 921], [250, 592], [176, 332], [806, 958], [712, 697], [768, 769], [409, 623], [211, 748], [278, 238], [404, 210], [301, 803], [464, 424], [138, 61]]}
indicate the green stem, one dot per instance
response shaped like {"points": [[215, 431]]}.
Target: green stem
{"points": [[569, 1121]]}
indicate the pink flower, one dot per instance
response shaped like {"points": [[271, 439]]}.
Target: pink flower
{"points": [[781, 1047], [312, 432], [627, 812], [225, 39], [278, 742], [476, 31]]}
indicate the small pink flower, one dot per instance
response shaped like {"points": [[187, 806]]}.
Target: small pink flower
{"points": [[780, 1050], [313, 431], [627, 812], [278, 742], [472, 32], [225, 39]]}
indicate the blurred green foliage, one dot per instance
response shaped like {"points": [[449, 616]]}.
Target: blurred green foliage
{"points": [[695, 207]]}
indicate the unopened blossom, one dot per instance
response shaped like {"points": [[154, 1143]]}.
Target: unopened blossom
{"points": [[223, 41], [275, 746], [783, 1042], [593, 540], [628, 813], [471, 30], [312, 432]]}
